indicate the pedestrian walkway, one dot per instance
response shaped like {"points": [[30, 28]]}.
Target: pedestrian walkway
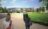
{"points": [[18, 22]]}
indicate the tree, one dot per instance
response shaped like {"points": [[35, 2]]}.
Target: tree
{"points": [[5, 10], [44, 3], [37, 10], [1, 3], [1, 9], [21, 9], [42, 9]]}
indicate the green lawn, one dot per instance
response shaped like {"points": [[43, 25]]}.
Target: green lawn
{"points": [[39, 17]]}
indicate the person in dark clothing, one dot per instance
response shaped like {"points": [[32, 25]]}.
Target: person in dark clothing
{"points": [[8, 19], [27, 21]]}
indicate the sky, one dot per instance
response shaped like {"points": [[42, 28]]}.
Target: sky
{"points": [[21, 3]]}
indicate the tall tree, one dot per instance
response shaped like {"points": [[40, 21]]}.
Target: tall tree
{"points": [[5, 10], [0, 3], [44, 3]]}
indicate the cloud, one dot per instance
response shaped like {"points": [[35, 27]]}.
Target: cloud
{"points": [[13, 1], [4, 1], [20, 3]]}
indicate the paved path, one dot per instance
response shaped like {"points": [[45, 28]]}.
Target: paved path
{"points": [[18, 22]]}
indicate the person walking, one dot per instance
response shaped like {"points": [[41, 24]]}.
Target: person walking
{"points": [[7, 22], [27, 21]]}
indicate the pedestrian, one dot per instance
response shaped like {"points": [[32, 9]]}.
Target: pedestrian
{"points": [[8, 22], [27, 21]]}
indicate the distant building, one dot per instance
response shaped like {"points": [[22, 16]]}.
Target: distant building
{"points": [[20, 9]]}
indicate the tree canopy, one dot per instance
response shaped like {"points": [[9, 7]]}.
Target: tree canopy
{"points": [[44, 3]]}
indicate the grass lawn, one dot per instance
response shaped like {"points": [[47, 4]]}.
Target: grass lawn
{"points": [[41, 18]]}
